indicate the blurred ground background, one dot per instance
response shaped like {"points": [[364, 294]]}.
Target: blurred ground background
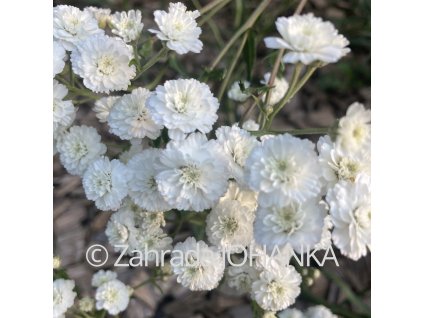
{"points": [[77, 223]]}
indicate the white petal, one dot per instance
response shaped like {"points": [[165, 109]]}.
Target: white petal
{"points": [[276, 43]]}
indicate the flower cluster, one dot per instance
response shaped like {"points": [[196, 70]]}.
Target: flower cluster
{"points": [[63, 110], [249, 193], [111, 294], [103, 63], [127, 25], [345, 164], [63, 296], [178, 29], [201, 267], [133, 229]]}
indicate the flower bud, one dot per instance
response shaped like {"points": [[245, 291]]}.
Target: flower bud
{"points": [[56, 262], [86, 304]]}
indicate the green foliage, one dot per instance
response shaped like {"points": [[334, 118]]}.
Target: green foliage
{"points": [[258, 312], [60, 273], [163, 139]]}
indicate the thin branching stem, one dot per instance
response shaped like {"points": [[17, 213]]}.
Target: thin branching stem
{"points": [[206, 18], [278, 60], [348, 292], [210, 6], [294, 132], [288, 95], [153, 60], [149, 280], [247, 112], [82, 92], [247, 25], [156, 80], [310, 70], [295, 85], [213, 27], [273, 75], [300, 7], [232, 66]]}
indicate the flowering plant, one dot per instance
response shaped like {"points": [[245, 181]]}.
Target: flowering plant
{"points": [[244, 187]]}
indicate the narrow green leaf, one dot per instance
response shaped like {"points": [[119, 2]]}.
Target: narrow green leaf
{"points": [[254, 90], [250, 53], [213, 75], [239, 10], [281, 69]]}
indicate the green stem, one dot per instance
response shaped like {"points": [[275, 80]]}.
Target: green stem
{"points": [[83, 314], [300, 7], [232, 67], [179, 224], [347, 291], [247, 112], [151, 280], [157, 79], [157, 286], [83, 92], [247, 25], [63, 80], [196, 222], [144, 283], [136, 55], [288, 95], [310, 70], [294, 87], [238, 12], [154, 59], [78, 84], [294, 132], [71, 76], [206, 18], [210, 6], [216, 32], [273, 75], [262, 118], [78, 91], [81, 101], [213, 27]]}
